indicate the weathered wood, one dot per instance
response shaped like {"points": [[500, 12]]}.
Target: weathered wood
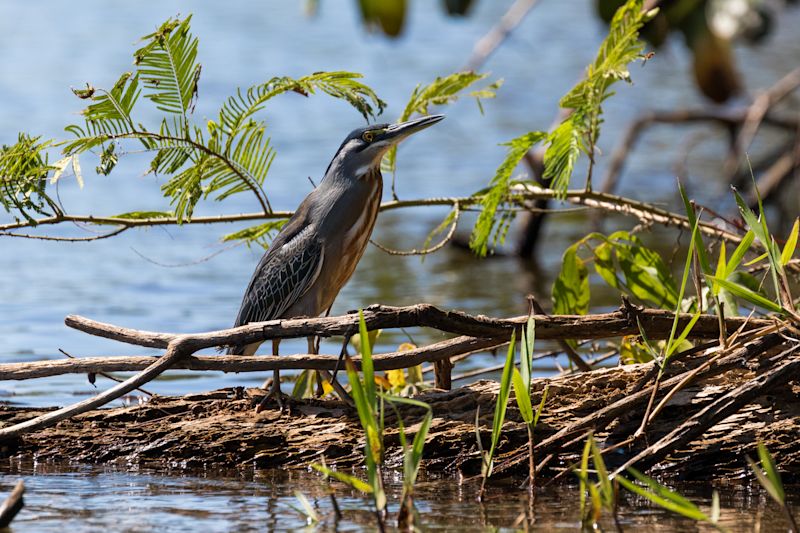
{"points": [[236, 363], [443, 373], [657, 324], [220, 428], [727, 405], [637, 398]]}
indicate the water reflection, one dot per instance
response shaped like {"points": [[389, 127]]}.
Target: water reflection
{"points": [[94, 499]]}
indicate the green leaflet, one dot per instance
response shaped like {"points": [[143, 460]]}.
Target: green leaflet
{"points": [[487, 225], [570, 291], [168, 66], [23, 176], [258, 234], [748, 294], [579, 131], [441, 91]]}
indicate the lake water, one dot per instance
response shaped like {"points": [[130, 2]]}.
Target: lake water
{"points": [[173, 279]]}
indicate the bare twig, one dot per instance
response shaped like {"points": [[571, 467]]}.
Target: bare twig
{"points": [[238, 363], [522, 195], [727, 119], [176, 350], [425, 251], [755, 116]]}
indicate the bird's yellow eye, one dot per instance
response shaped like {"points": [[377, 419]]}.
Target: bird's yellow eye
{"points": [[368, 136]]}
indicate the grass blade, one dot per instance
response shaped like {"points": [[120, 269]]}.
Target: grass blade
{"points": [[747, 294]]}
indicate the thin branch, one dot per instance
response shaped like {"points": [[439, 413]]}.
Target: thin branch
{"points": [[66, 239], [425, 251], [755, 116], [657, 323], [521, 194], [175, 352], [728, 119], [490, 42], [249, 180], [237, 363]]}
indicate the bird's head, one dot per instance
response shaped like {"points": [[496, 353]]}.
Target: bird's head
{"points": [[362, 150]]}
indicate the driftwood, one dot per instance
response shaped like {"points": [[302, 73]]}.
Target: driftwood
{"points": [[702, 390]]}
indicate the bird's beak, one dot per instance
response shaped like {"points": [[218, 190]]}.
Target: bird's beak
{"points": [[397, 132]]}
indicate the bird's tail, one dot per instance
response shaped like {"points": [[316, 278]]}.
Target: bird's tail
{"points": [[240, 349]]}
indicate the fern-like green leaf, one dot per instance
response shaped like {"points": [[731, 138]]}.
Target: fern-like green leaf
{"points": [[442, 91], [487, 224], [259, 234], [342, 85], [579, 131], [23, 176], [168, 66]]}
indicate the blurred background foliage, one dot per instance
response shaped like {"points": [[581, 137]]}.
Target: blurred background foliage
{"points": [[708, 28]]}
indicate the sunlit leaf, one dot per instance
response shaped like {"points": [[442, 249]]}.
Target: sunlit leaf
{"points": [[571, 288], [523, 397], [791, 243], [487, 227], [349, 480], [747, 294]]}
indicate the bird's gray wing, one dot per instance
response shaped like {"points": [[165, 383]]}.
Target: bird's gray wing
{"points": [[284, 274]]}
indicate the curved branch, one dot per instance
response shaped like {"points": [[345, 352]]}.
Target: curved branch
{"points": [[521, 194], [173, 354], [425, 251], [251, 184], [657, 324]]}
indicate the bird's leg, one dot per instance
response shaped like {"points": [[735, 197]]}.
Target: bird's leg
{"points": [[275, 389], [342, 354], [337, 387]]}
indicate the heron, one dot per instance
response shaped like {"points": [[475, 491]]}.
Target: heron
{"points": [[317, 250]]}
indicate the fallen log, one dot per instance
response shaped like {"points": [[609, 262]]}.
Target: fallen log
{"points": [[220, 429]]}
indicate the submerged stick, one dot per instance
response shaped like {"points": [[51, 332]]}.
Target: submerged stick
{"points": [[13, 504]]}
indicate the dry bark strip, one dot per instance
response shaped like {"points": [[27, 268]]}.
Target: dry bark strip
{"points": [[730, 403]]}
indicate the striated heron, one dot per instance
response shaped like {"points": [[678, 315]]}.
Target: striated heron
{"points": [[317, 250]]}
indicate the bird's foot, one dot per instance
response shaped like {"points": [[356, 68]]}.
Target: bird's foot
{"points": [[283, 401]]}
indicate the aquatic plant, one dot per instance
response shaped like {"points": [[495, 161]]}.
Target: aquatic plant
{"points": [[487, 457], [604, 492], [521, 379], [769, 478]]}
